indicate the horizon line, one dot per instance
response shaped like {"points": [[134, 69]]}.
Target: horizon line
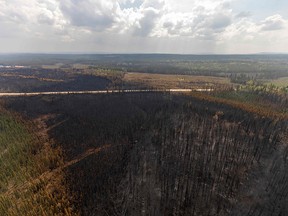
{"points": [[136, 53]]}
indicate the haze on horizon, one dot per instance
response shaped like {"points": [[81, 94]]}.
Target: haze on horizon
{"points": [[144, 26]]}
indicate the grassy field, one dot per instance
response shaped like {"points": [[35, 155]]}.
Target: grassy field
{"points": [[174, 81], [281, 82]]}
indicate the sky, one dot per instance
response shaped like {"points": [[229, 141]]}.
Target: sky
{"points": [[144, 26]]}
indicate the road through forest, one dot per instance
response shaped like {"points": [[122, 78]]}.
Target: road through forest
{"points": [[17, 94]]}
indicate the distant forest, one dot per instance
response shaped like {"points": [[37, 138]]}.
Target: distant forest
{"points": [[258, 65]]}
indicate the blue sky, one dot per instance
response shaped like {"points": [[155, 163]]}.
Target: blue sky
{"points": [[144, 26], [262, 8]]}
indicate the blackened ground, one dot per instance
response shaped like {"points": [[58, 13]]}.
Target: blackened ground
{"points": [[162, 154]]}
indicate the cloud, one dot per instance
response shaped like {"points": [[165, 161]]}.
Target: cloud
{"points": [[156, 4], [71, 24], [10, 13], [98, 15], [201, 23], [148, 16], [275, 22], [155, 18], [241, 30], [211, 26], [147, 23], [243, 14], [124, 4], [46, 18], [219, 21]]}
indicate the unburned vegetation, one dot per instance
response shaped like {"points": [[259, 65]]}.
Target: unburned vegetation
{"points": [[27, 186]]}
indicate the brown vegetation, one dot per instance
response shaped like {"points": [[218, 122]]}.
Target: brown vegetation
{"points": [[166, 81]]}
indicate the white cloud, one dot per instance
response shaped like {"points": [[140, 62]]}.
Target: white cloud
{"points": [[203, 21], [98, 23], [98, 15], [147, 22], [157, 4], [46, 17], [274, 22]]}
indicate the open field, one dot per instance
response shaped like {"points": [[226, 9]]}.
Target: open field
{"points": [[281, 82], [21, 73], [174, 81], [91, 79]]}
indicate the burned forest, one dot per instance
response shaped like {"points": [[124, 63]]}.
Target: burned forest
{"points": [[163, 154], [143, 135]]}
